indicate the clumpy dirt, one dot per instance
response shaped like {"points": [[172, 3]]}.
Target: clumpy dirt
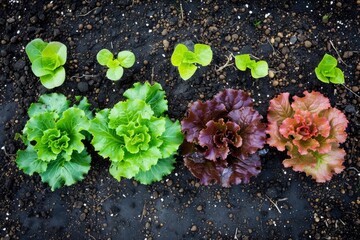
{"points": [[278, 204]]}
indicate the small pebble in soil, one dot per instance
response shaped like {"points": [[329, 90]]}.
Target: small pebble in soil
{"points": [[193, 228], [83, 87], [271, 74], [307, 44], [275, 83], [293, 39]]}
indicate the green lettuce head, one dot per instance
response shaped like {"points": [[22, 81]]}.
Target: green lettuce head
{"points": [[136, 136], [53, 136]]}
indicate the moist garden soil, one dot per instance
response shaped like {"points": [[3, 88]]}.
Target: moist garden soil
{"points": [[290, 35]]}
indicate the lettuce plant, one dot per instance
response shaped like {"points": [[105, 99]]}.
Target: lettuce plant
{"points": [[327, 71], [222, 137], [136, 136], [47, 60], [53, 136], [125, 59], [310, 130], [186, 60], [258, 69]]}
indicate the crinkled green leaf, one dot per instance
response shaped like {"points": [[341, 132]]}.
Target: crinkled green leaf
{"points": [[130, 110], [327, 62], [151, 94], [28, 161], [203, 54], [178, 54], [124, 169], [172, 138], [73, 121], [156, 172], [327, 71], [126, 59], [186, 70], [105, 140], [34, 49], [115, 73], [56, 79], [104, 56], [37, 124], [62, 172], [144, 159], [53, 102], [85, 106]]}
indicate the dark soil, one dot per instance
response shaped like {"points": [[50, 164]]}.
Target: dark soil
{"points": [[292, 38]]}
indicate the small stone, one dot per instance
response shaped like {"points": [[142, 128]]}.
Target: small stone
{"points": [[355, 88], [216, 8], [267, 31], [78, 204], [234, 37], [280, 35], [10, 20], [20, 64], [194, 228], [3, 53], [89, 26], [281, 65], [147, 225], [285, 50], [146, 62], [199, 208], [350, 109], [271, 74], [293, 39], [83, 87], [166, 44], [228, 38], [81, 26], [348, 54], [82, 216], [275, 83], [307, 44], [164, 32]]}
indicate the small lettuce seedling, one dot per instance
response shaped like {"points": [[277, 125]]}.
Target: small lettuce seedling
{"points": [[186, 60], [136, 135], [259, 69], [327, 71], [47, 60], [125, 59], [53, 136]]}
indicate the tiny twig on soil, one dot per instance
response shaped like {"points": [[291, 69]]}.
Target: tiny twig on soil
{"points": [[181, 12], [92, 236], [351, 91], [274, 52], [342, 222], [229, 58], [274, 203], [103, 200], [143, 212], [338, 53], [152, 75], [7, 154], [84, 75], [235, 236], [83, 15], [353, 168]]}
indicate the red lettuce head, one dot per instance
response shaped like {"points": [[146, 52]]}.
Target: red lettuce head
{"points": [[311, 130], [222, 136]]}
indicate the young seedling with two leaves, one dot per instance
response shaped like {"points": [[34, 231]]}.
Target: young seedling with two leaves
{"points": [[259, 69], [186, 60], [327, 71], [125, 59], [47, 60]]}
